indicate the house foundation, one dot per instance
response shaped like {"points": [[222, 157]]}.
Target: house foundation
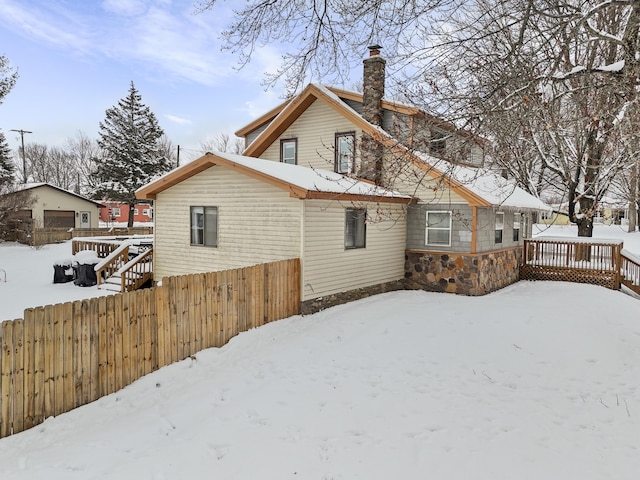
{"points": [[317, 304], [462, 273]]}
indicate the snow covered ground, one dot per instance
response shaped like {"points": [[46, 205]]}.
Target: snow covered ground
{"points": [[29, 279], [536, 381]]}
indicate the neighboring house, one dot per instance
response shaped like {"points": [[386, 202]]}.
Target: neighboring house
{"points": [[612, 210], [117, 212], [461, 232], [54, 207], [558, 215]]}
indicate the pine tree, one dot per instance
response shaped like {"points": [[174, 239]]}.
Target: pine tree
{"points": [[7, 168], [132, 154]]}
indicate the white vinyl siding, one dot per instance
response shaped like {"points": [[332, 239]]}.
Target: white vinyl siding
{"points": [[407, 178], [328, 268], [315, 132], [257, 223]]}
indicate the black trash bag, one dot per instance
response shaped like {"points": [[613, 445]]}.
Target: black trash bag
{"points": [[85, 274], [62, 272], [84, 268]]}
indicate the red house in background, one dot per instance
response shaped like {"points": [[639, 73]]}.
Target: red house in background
{"points": [[117, 212]]}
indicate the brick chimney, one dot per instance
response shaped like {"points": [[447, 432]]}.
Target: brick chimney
{"points": [[373, 82]]}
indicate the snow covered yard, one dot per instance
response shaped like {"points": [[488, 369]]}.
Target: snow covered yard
{"points": [[411, 385], [536, 381], [29, 279]]}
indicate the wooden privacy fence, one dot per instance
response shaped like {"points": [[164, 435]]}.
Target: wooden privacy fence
{"points": [[60, 357], [591, 261]]}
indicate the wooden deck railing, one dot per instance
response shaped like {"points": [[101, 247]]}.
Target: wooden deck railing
{"points": [[630, 271], [594, 261]]}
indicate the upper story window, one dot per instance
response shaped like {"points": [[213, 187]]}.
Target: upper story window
{"points": [[204, 226], [355, 228], [289, 151], [345, 152], [499, 227], [438, 228], [437, 143]]}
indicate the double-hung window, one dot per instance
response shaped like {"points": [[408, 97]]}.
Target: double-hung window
{"points": [[355, 228], [438, 228], [345, 152], [516, 227], [289, 151], [204, 226], [499, 227]]}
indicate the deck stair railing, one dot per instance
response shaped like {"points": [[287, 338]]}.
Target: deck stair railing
{"points": [[112, 263], [136, 272]]}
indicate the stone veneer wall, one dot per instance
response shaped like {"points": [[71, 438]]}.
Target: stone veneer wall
{"points": [[462, 273]]}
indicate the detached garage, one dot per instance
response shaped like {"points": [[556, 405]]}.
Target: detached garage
{"points": [[54, 207]]}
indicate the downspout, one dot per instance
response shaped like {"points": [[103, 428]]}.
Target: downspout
{"points": [[301, 250]]}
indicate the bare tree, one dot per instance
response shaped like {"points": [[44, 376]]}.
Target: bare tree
{"points": [[12, 201], [85, 153], [223, 142], [548, 82], [169, 150]]}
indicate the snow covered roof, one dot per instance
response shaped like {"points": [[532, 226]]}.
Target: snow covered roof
{"points": [[301, 182], [496, 189], [34, 185], [478, 188]]}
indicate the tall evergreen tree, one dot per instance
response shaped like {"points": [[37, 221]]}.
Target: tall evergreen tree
{"points": [[132, 154], [7, 168]]}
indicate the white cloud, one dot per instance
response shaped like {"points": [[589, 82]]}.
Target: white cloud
{"points": [[124, 7], [54, 27], [178, 120], [164, 37]]}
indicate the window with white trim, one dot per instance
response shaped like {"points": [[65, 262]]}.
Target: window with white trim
{"points": [[135, 211], [516, 226], [438, 230], [499, 227], [145, 212], [115, 212], [345, 152], [289, 151], [204, 226], [355, 228]]}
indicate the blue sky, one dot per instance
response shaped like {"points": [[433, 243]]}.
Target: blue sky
{"points": [[76, 59]]}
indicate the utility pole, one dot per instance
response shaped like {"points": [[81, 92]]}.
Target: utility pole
{"points": [[24, 162]]}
